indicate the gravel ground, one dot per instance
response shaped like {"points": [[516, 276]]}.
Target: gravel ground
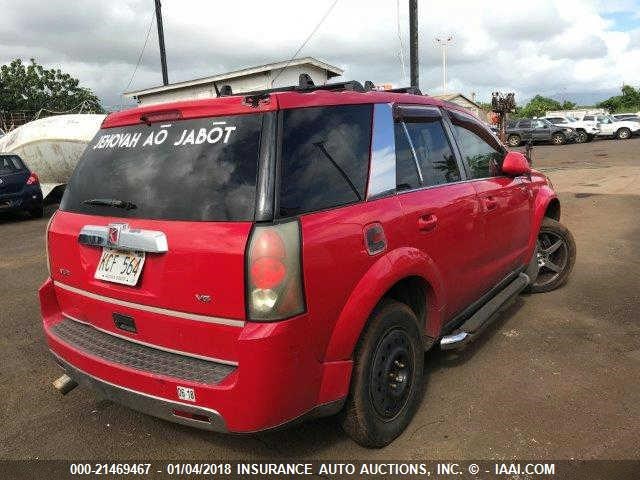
{"points": [[555, 378]]}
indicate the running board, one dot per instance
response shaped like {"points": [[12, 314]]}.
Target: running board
{"points": [[472, 328]]}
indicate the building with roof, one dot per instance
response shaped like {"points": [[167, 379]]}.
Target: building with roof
{"points": [[465, 102], [248, 79]]}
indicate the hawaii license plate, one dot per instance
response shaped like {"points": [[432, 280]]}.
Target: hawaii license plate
{"points": [[120, 266]]}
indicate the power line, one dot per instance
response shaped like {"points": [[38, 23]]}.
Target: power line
{"points": [[146, 40], [324, 17]]}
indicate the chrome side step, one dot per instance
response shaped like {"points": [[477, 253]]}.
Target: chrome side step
{"points": [[472, 328]]}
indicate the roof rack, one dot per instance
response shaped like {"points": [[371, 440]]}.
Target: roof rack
{"points": [[305, 85], [410, 90]]}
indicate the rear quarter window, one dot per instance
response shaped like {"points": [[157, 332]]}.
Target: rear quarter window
{"points": [[325, 157]]}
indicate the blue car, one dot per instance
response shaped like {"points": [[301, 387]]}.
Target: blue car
{"points": [[19, 187]]}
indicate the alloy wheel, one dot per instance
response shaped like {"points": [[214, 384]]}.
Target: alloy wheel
{"points": [[552, 256]]}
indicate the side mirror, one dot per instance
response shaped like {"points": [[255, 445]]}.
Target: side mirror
{"points": [[515, 164]]}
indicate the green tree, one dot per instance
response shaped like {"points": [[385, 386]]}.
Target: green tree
{"points": [[31, 87], [538, 107], [629, 101]]}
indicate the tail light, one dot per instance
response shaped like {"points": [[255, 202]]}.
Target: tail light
{"points": [[274, 277], [46, 241], [33, 179]]}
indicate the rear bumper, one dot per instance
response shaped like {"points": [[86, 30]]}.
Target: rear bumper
{"points": [[28, 198], [275, 380], [209, 419]]}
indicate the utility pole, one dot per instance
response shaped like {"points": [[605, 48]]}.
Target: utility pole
{"points": [[444, 42], [163, 53], [413, 43]]}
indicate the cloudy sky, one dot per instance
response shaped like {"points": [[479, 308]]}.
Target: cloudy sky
{"points": [[581, 49]]}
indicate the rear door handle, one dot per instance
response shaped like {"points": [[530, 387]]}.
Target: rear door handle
{"points": [[428, 222], [490, 204]]}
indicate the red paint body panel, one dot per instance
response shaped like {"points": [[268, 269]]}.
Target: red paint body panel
{"points": [[459, 238], [507, 205], [203, 258], [450, 240]]}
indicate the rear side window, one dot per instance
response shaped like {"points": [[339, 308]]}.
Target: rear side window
{"points": [[524, 124], [325, 157], [436, 160], [480, 150], [10, 164], [406, 170], [203, 169]]}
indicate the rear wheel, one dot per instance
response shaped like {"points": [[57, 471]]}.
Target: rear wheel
{"points": [[37, 212], [513, 140], [556, 255], [558, 139], [623, 133], [386, 384]]}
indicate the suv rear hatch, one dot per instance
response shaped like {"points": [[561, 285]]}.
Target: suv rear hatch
{"points": [[182, 193], [13, 175]]}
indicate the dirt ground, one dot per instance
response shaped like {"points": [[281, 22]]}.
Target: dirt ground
{"points": [[555, 378]]}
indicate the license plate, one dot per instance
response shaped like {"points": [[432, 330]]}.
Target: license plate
{"points": [[120, 266], [186, 393]]}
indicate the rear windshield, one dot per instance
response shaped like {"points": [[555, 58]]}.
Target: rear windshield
{"points": [[203, 169], [10, 164]]}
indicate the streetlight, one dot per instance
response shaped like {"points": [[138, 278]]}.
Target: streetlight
{"points": [[444, 42]]}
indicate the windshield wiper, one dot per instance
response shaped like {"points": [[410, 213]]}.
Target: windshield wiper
{"points": [[111, 202]]}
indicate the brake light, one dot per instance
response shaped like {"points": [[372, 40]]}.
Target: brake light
{"points": [[46, 241], [274, 283], [163, 116], [33, 179]]}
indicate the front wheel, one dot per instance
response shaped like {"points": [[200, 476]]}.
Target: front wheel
{"points": [[558, 139], [582, 137], [555, 254], [623, 133], [386, 383], [513, 140]]}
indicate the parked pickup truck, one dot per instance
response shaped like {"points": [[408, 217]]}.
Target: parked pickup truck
{"points": [[239, 263], [585, 131], [538, 130]]}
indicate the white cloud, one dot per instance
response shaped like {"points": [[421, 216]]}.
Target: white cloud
{"points": [[547, 46]]}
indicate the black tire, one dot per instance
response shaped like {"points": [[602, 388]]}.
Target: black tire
{"points": [[514, 140], [582, 137], [590, 137], [556, 255], [558, 139], [37, 212], [386, 383], [623, 133]]}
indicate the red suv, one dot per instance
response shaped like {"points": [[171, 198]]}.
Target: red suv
{"points": [[239, 263]]}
